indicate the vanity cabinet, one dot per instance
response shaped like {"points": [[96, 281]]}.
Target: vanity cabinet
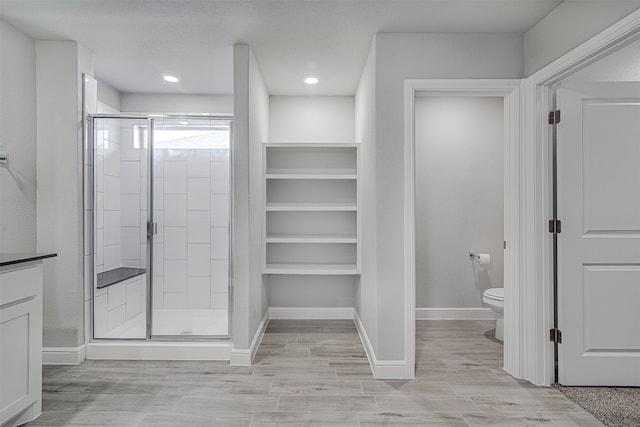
{"points": [[20, 342]]}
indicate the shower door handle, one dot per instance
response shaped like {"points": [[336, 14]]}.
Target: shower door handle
{"points": [[152, 229]]}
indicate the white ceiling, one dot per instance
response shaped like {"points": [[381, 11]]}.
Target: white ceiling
{"points": [[134, 41]]}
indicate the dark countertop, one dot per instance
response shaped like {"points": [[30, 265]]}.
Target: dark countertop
{"points": [[117, 275], [17, 258]]}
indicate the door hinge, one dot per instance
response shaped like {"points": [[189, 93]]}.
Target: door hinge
{"points": [[554, 117], [555, 226], [555, 335]]}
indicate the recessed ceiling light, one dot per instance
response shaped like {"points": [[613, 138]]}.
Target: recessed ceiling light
{"points": [[311, 80], [171, 78], [184, 122]]}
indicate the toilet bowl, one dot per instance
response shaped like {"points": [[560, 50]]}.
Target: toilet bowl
{"points": [[494, 299]]}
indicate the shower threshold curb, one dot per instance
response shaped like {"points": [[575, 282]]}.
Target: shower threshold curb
{"points": [[159, 350]]}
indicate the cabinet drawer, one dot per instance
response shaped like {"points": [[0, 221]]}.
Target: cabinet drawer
{"points": [[19, 283]]}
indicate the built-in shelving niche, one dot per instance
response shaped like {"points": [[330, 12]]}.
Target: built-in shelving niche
{"points": [[311, 211]]}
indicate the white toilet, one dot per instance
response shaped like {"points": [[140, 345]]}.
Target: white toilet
{"points": [[494, 299]]}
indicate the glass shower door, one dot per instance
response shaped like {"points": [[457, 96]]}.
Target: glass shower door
{"points": [[191, 188], [120, 200]]}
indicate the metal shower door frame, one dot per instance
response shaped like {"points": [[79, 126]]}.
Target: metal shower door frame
{"points": [[150, 225]]}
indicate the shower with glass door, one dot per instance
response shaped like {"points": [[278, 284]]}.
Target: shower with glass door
{"points": [[161, 225]]}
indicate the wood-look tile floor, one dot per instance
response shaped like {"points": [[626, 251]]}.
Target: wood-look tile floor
{"points": [[311, 373]]}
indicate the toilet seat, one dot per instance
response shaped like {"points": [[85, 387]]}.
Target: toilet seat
{"points": [[495, 294]]}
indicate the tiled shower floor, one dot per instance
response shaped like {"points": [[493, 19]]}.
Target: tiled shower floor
{"points": [[185, 322]]}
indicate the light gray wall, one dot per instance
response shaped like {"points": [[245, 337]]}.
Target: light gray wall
{"points": [[365, 115], [459, 198], [311, 119], [615, 75], [411, 56], [59, 69], [18, 138], [109, 96], [310, 291], [175, 103], [621, 66], [258, 133], [251, 128], [569, 25]]}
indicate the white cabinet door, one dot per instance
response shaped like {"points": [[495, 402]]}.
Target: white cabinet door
{"points": [[20, 357], [599, 245]]}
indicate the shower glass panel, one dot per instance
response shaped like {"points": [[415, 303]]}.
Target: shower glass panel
{"points": [[191, 188], [120, 199]]}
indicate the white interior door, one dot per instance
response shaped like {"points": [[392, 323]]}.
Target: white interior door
{"points": [[599, 245]]}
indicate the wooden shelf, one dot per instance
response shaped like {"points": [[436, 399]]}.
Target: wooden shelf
{"points": [[311, 176], [311, 198], [312, 171], [312, 145], [281, 238], [312, 269], [310, 207]]}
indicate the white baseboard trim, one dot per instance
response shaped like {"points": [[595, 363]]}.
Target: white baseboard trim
{"points": [[391, 370], [244, 357], [381, 369], [152, 350], [27, 415], [366, 343], [463, 313], [314, 313], [64, 355]]}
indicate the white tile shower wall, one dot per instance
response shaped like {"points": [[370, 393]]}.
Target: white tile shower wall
{"points": [[199, 164], [191, 247], [117, 295], [175, 276], [100, 319], [175, 174], [191, 250], [107, 193], [135, 297], [118, 303], [175, 243], [120, 203], [220, 185], [132, 198]]}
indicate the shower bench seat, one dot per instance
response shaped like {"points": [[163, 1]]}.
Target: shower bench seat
{"points": [[117, 275]]}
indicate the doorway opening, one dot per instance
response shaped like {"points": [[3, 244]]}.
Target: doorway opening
{"points": [[459, 223], [506, 95]]}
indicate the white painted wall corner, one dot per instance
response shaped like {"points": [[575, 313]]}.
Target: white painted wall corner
{"points": [[381, 369], [244, 357]]}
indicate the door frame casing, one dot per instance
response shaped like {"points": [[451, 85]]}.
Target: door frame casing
{"points": [[510, 90], [537, 359], [532, 357]]}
